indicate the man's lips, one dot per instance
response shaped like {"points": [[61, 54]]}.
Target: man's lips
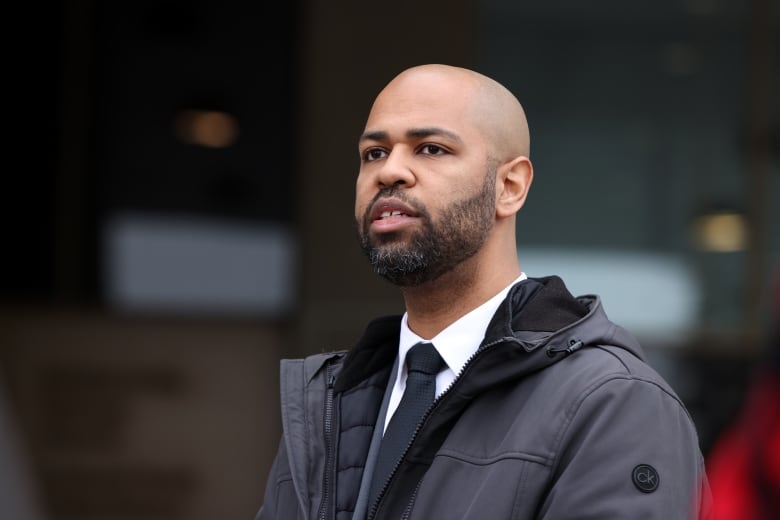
{"points": [[390, 215], [389, 208]]}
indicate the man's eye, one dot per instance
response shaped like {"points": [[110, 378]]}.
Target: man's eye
{"points": [[373, 154], [432, 149]]}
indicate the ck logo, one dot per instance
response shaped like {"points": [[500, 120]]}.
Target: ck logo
{"points": [[645, 478]]}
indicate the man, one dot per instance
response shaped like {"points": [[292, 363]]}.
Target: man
{"points": [[544, 408]]}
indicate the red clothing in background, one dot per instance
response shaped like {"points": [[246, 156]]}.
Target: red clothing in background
{"points": [[744, 464]]}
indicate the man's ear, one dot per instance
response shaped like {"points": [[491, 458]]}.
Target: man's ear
{"points": [[513, 180]]}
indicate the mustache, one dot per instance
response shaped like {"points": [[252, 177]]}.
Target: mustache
{"points": [[396, 192]]}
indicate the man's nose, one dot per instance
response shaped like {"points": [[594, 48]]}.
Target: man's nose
{"points": [[396, 170]]}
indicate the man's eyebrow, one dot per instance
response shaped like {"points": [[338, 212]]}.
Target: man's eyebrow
{"points": [[417, 133], [376, 135], [432, 130]]}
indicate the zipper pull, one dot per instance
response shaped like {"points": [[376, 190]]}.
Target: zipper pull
{"points": [[574, 345]]}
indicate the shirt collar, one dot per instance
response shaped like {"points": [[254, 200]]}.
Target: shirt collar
{"points": [[461, 339]]}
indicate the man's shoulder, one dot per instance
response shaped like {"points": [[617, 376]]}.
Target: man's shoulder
{"points": [[599, 366]]}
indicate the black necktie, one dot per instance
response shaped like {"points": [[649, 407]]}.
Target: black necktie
{"points": [[423, 362]]}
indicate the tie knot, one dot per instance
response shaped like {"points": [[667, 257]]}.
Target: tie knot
{"points": [[423, 357]]}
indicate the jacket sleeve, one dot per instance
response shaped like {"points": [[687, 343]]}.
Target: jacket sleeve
{"points": [[628, 449], [280, 501]]}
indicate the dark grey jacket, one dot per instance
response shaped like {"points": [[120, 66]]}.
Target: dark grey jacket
{"points": [[556, 416]]}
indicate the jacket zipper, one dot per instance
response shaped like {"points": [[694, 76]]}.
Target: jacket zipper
{"points": [[375, 505], [328, 427], [408, 510]]}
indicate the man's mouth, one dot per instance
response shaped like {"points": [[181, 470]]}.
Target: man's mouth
{"points": [[388, 214], [388, 208]]}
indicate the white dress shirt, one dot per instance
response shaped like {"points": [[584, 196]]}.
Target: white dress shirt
{"points": [[456, 344]]}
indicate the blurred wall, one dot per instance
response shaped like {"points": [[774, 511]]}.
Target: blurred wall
{"points": [[139, 417]]}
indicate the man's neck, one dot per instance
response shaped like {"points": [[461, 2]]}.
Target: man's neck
{"points": [[433, 306]]}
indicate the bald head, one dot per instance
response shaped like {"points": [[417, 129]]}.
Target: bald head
{"points": [[487, 104]]}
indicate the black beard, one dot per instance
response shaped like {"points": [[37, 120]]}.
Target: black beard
{"points": [[439, 246]]}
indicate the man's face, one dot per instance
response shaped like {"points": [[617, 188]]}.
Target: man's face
{"points": [[432, 247], [425, 194]]}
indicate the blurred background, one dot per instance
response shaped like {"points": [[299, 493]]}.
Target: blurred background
{"points": [[178, 202]]}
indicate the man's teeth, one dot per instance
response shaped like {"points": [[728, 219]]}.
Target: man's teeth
{"points": [[387, 214]]}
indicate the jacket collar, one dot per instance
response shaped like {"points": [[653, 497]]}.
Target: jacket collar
{"points": [[538, 323]]}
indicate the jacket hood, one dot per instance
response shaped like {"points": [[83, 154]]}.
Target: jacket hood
{"points": [[537, 324]]}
